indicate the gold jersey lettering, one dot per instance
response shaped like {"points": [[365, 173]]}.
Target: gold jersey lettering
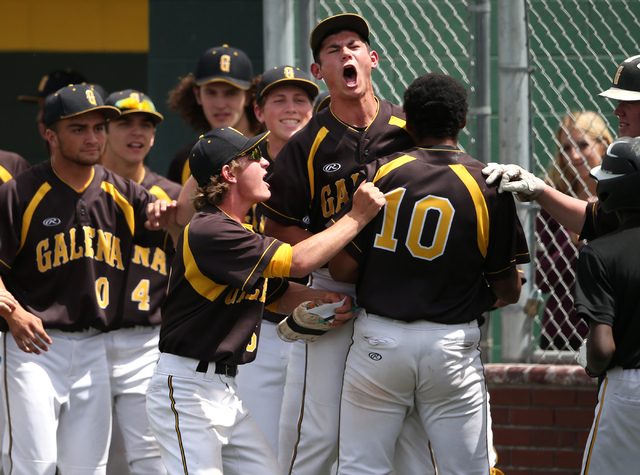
{"points": [[354, 178], [76, 251], [343, 196], [327, 200], [89, 234], [253, 344], [61, 255], [263, 297], [103, 253], [231, 297], [43, 255], [159, 263], [253, 296], [225, 63], [140, 255], [115, 258]]}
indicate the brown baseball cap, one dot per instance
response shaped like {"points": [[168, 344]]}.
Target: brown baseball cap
{"points": [[336, 23], [74, 100]]}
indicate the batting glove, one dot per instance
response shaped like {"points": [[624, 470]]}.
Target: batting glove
{"points": [[514, 179]]}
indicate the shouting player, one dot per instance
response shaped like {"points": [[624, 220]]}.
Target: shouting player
{"points": [[223, 276], [312, 179], [419, 350], [132, 348]]}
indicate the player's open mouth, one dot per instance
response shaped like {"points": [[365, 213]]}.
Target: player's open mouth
{"points": [[350, 76], [135, 145]]}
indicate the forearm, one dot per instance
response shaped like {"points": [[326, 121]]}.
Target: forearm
{"points": [[296, 294], [600, 347], [570, 212], [185, 209], [312, 253]]}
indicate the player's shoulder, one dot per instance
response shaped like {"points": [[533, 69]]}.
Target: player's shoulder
{"points": [[159, 185], [13, 162], [128, 189]]}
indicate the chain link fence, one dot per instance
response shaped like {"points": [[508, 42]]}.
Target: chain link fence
{"points": [[574, 47]]}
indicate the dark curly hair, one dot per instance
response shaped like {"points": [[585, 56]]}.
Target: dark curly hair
{"points": [[215, 190], [182, 99], [436, 106]]}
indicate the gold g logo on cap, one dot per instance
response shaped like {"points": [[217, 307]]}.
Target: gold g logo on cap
{"points": [[225, 63], [91, 97], [135, 96], [288, 72], [617, 76]]}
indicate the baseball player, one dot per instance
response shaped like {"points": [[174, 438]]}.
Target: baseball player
{"points": [[11, 164], [222, 278], [284, 101], [132, 348], [416, 340], [220, 94], [313, 178], [66, 236], [608, 277], [585, 219]]}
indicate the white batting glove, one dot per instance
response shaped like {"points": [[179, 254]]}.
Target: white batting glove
{"points": [[581, 356], [514, 179]]}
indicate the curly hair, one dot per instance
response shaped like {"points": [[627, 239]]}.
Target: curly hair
{"points": [[436, 106], [215, 190], [182, 99]]}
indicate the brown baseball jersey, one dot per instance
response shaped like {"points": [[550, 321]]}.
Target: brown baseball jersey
{"points": [[11, 164], [179, 170], [149, 266], [222, 278], [441, 235], [598, 223], [63, 252], [315, 172]]}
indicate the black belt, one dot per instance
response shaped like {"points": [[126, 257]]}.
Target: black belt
{"points": [[226, 369]]}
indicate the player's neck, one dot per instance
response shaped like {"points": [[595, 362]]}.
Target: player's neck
{"points": [[244, 126], [430, 142], [132, 171], [275, 145], [76, 175], [357, 112], [234, 206]]}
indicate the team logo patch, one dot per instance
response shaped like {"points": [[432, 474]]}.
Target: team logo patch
{"points": [[375, 356], [50, 222], [331, 167]]}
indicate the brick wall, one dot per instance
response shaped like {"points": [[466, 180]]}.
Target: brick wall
{"points": [[541, 417]]}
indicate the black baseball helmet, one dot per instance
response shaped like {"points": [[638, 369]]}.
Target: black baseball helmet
{"points": [[619, 175]]}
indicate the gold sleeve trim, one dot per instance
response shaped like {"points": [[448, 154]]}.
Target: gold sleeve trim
{"points": [[5, 176], [206, 287], [389, 167], [398, 122], [258, 263], [28, 214], [280, 264], [482, 213], [160, 193], [122, 203]]}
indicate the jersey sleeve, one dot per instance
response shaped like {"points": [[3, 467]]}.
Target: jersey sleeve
{"points": [[290, 187], [10, 224], [597, 222], [594, 295]]}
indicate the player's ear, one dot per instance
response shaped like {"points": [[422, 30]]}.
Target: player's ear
{"points": [[258, 112], [51, 137], [228, 174], [464, 124], [374, 59], [196, 93], [153, 139], [315, 70]]}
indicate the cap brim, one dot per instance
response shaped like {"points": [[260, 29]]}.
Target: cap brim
{"points": [[599, 174], [309, 86], [244, 85], [157, 117], [109, 112], [343, 21], [252, 143], [621, 94]]}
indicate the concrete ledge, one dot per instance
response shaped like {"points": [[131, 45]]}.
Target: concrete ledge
{"points": [[549, 375]]}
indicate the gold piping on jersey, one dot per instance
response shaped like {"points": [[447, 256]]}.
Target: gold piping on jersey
{"points": [[482, 214], [5, 176], [389, 167], [93, 173], [144, 173], [278, 213], [160, 193], [350, 126], [322, 133], [28, 214], [122, 203], [258, 263], [173, 408], [398, 122], [200, 283], [595, 426]]}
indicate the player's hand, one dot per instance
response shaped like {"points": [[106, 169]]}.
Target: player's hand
{"points": [[7, 302], [514, 179], [344, 313], [367, 201], [28, 332], [161, 214]]}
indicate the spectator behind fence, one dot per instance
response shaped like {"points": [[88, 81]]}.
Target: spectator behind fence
{"points": [[582, 139]]}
